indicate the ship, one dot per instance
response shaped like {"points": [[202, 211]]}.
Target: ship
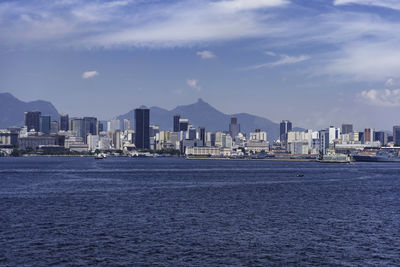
{"points": [[332, 157], [382, 155]]}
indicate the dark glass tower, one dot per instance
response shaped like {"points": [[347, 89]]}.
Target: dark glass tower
{"points": [[347, 128], [202, 136], [285, 127], [234, 128], [44, 124], [176, 123], [64, 122], [90, 125], [142, 128], [32, 120]]}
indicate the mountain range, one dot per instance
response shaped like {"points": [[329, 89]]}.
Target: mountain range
{"points": [[12, 110], [199, 114]]}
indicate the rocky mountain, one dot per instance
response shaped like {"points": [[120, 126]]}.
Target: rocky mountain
{"points": [[203, 114], [12, 110]]}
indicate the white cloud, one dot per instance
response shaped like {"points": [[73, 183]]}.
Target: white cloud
{"points": [[388, 98], [393, 4], [270, 53], [390, 82], [206, 54], [89, 74], [194, 84], [284, 60], [91, 24]]}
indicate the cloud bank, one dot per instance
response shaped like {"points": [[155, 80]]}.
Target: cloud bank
{"points": [[89, 74]]}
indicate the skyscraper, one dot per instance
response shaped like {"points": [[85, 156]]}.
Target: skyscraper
{"points": [[368, 135], [44, 124], [183, 124], [142, 130], [32, 120], [285, 127], [90, 126], [78, 128], [202, 136], [381, 137], [347, 128], [176, 123], [64, 125], [54, 127], [234, 128], [127, 124], [396, 134]]}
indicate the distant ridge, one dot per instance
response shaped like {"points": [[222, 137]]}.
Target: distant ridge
{"points": [[12, 110], [203, 114]]}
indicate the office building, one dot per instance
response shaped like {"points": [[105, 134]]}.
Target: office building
{"points": [[127, 124], [90, 126], [234, 128], [54, 127], [142, 128], [32, 120], [114, 125], [347, 128], [77, 128], [396, 134], [368, 135], [183, 125], [44, 124], [382, 137], [285, 127], [176, 123], [64, 122], [202, 136]]}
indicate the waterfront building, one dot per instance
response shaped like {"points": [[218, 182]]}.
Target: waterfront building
{"points": [[92, 142], [396, 134], [44, 124], [142, 128], [202, 136], [285, 127], [35, 141], [8, 138], [382, 137], [176, 123], [258, 135], [32, 120], [368, 135], [64, 122], [323, 141], [234, 127]]}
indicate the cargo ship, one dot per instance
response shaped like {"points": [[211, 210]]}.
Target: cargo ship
{"points": [[332, 157]]}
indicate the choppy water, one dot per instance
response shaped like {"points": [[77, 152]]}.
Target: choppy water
{"points": [[172, 212]]}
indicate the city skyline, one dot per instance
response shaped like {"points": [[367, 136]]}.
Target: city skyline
{"points": [[267, 58]]}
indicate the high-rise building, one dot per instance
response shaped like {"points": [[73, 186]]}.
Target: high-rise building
{"points": [[285, 127], [64, 125], [202, 136], [127, 124], [44, 124], [234, 128], [396, 134], [347, 128], [176, 123], [54, 127], [77, 127], [90, 126], [142, 128], [368, 135], [32, 120], [382, 137], [113, 125], [323, 141], [183, 125]]}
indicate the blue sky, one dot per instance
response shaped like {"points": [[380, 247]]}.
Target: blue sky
{"points": [[315, 62]]}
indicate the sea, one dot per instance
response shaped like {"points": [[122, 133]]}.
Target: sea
{"points": [[78, 211]]}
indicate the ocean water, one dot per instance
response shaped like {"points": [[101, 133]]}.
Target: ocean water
{"points": [[176, 212]]}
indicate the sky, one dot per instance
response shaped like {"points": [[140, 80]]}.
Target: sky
{"points": [[314, 62]]}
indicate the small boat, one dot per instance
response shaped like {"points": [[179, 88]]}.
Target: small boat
{"points": [[100, 156], [299, 175]]}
